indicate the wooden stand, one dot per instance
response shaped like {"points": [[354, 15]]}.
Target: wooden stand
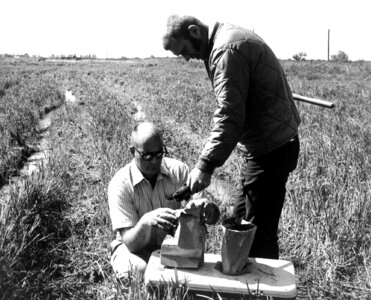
{"points": [[266, 277]]}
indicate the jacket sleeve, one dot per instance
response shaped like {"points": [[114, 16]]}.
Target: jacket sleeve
{"points": [[231, 84]]}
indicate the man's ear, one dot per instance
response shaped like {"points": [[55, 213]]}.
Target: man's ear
{"points": [[194, 31]]}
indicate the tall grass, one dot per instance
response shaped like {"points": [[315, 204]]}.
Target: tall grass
{"points": [[54, 241], [33, 233], [326, 222], [26, 95]]}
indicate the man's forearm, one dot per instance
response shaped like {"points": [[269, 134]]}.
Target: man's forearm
{"points": [[135, 238]]}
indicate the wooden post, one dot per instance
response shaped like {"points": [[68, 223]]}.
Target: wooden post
{"points": [[328, 45]]}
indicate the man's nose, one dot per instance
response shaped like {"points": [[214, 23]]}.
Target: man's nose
{"points": [[155, 160]]}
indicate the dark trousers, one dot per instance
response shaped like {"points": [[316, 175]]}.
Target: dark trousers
{"points": [[262, 193]]}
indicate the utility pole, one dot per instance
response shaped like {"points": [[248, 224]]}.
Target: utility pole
{"points": [[328, 45]]}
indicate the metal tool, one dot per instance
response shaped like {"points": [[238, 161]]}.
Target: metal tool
{"points": [[209, 213], [183, 193]]}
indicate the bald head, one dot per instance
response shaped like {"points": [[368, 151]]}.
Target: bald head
{"points": [[147, 148], [145, 134]]}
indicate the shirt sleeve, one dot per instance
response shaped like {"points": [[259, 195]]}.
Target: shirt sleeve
{"points": [[183, 174], [231, 86], [121, 203]]}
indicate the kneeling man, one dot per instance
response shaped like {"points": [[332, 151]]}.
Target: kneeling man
{"points": [[140, 213]]}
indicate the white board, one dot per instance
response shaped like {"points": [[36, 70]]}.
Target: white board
{"points": [[268, 277]]}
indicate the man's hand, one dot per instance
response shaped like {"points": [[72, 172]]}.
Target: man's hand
{"points": [[139, 236], [198, 180], [183, 193], [163, 218], [209, 210]]}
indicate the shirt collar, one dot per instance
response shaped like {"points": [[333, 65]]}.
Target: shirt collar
{"points": [[138, 176]]}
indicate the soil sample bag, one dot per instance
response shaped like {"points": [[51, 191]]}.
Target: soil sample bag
{"points": [[236, 246], [186, 248]]}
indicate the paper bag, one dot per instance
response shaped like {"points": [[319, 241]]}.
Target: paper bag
{"points": [[186, 248], [236, 246]]}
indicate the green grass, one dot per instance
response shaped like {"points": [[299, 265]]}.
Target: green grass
{"points": [[26, 95], [55, 236]]}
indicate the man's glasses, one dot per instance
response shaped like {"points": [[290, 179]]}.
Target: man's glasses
{"points": [[147, 156]]}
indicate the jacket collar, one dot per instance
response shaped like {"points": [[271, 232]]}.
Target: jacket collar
{"points": [[212, 34], [137, 175]]}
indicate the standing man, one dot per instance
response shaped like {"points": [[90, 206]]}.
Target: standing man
{"points": [[255, 111]]}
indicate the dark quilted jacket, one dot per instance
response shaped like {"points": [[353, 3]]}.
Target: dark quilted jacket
{"points": [[255, 103]]}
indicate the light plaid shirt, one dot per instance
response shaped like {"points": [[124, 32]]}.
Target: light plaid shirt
{"points": [[130, 195]]}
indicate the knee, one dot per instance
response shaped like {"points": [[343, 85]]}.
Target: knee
{"points": [[124, 262], [139, 265]]}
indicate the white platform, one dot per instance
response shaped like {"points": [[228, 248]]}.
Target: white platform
{"points": [[266, 277]]}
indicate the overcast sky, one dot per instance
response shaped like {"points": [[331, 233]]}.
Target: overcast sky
{"points": [[116, 28]]}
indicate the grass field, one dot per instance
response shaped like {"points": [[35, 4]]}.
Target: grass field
{"points": [[55, 230]]}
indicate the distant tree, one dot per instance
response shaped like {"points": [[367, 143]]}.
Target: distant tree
{"points": [[90, 56], [341, 56], [299, 56]]}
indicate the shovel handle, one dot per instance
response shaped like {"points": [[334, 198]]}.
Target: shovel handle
{"points": [[315, 101]]}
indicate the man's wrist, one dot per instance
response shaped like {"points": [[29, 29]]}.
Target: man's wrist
{"points": [[204, 165]]}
